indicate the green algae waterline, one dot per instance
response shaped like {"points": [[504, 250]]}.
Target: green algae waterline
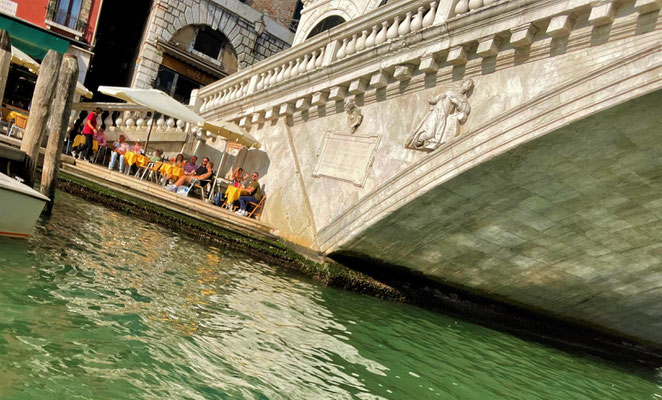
{"points": [[100, 305]]}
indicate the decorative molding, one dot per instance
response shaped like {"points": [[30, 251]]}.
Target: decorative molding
{"points": [[602, 14], [320, 98], [302, 103], [457, 56], [286, 109], [258, 117], [357, 86], [404, 72], [338, 93], [271, 113], [488, 46], [560, 26], [522, 35], [379, 80], [646, 6], [245, 122], [429, 64]]}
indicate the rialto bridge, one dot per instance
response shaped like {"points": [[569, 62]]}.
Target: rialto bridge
{"points": [[512, 148]]}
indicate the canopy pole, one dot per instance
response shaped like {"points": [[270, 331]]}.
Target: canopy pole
{"points": [[149, 132], [218, 170]]}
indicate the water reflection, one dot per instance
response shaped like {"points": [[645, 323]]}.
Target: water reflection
{"points": [[101, 305]]}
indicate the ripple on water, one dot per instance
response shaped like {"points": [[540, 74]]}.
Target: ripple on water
{"points": [[101, 305]]}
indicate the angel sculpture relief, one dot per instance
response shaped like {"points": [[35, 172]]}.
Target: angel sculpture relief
{"points": [[354, 116], [449, 110]]}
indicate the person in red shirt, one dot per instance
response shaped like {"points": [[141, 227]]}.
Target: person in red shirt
{"points": [[89, 131]]}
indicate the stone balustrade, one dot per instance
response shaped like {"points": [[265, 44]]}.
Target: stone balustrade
{"points": [[134, 122], [393, 43], [409, 17], [401, 25], [464, 6]]}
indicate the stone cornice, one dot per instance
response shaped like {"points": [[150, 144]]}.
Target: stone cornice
{"points": [[435, 46]]}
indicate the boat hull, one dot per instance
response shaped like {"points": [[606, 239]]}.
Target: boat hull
{"points": [[18, 213]]}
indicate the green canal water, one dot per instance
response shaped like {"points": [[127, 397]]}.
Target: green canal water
{"points": [[99, 305]]}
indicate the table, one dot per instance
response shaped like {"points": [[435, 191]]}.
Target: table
{"points": [[131, 158], [80, 140], [171, 171], [232, 194]]}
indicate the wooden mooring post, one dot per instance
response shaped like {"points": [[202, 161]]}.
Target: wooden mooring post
{"points": [[5, 60], [60, 111], [40, 112]]}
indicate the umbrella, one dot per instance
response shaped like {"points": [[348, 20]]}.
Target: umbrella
{"points": [[232, 132], [83, 91], [24, 60]]}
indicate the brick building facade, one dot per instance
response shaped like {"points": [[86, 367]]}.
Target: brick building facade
{"points": [[173, 50]]}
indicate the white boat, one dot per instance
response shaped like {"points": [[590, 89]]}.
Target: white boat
{"points": [[20, 206]]}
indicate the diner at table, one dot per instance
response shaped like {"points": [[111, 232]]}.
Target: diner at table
{"points": [[202, 175], [191, 166], [173, 170], [120, 148], [251, 194], [233, 191]]}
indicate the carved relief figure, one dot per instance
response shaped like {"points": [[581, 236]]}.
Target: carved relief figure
{"points": [[354, 116], [449, 110]]}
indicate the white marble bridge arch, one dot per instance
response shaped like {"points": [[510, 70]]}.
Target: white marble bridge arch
{"points": [[538, 66]]}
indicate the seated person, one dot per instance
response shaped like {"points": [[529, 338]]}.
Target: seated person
{"points": [[191, 166], [156, 159], [158, 156], [238, 177], [120, 147], [75, 130], [102, 142], [202, 174], [253, 194], [137, 148], [178, 161]]}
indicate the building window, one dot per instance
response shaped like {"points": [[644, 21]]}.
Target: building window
{"points": [[208, 42], [66, 12], [326, 24]]}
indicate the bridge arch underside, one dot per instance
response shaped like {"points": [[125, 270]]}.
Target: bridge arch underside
{"points": [[570, 224]]}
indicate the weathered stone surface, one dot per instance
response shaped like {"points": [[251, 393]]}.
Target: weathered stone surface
{"points": [[553, 224]]}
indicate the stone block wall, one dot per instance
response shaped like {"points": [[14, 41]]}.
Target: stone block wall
{"points": [[236, 22]]}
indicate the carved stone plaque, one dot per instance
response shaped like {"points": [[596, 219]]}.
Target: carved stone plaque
{"points": [[346, 157]]}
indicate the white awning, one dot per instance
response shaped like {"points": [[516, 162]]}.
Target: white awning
{"points": [[158, 101], [22, 59]]}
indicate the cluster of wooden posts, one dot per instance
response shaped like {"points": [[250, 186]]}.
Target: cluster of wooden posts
{"points": [[52, 99]]}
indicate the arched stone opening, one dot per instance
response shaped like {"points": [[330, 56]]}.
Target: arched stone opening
{"points": [[195, 56], [209, 44]]}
